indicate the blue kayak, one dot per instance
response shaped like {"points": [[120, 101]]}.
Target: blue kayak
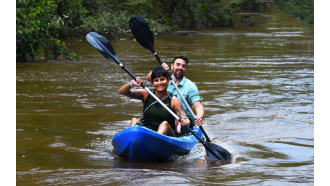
{"points": [[142, 144]]}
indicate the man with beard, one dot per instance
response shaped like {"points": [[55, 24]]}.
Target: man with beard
{"points": [[187, 88]]}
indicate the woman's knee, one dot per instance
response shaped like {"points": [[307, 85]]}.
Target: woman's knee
{"points": [[133, 121], [165, 124], [165, 128]]}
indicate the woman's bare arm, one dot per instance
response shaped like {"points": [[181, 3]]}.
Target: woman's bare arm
{"points": [[126, 90], [177, 107]]}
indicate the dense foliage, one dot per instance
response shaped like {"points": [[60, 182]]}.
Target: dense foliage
{"points": [[40, 24], [163, 15], [37, 26], [301, 9]]}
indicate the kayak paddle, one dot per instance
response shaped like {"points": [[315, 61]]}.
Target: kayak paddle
{"points": [[106, 49], [144, 36]]}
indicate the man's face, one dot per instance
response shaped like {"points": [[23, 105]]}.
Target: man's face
{"points": [[179, 68]]}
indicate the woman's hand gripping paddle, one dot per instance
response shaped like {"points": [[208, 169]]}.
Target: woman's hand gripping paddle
{"points": [[144, 36]]}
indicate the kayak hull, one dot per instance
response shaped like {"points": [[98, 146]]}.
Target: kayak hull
{"points": [[142, 144]]}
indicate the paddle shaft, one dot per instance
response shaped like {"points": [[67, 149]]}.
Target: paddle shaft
{"points": [[183, 99]]}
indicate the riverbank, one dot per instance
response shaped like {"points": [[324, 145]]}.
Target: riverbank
{"points": [[41, 26]]}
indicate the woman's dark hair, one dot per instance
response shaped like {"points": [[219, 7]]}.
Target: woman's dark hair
{"points": [[181, 57], [157, 72]]}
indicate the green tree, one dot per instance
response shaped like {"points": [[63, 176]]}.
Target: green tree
{"points": [[37, 28], [195, 13], [301, 9]]}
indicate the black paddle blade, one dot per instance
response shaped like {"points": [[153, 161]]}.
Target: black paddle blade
{"points": [[102, 45], [142, 33], [219, 151]]}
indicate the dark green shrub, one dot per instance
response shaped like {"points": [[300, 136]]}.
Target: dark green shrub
{"points": [[301, 9], [37, 29]]}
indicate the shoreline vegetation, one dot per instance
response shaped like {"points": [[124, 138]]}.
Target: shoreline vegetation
{"points": [[42, 25]]}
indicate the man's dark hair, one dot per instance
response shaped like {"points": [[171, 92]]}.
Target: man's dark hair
{"points": [[157, 72], [181, 57]]}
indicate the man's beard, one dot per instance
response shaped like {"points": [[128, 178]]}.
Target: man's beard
{"points": [[178, 76]]}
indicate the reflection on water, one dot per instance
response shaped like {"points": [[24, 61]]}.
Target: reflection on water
{"points": [[258, 87]]}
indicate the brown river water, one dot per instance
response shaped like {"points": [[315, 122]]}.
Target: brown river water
{"points": [[258, 89]]}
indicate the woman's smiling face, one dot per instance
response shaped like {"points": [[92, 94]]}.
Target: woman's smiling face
{"points": [[160, 83]]}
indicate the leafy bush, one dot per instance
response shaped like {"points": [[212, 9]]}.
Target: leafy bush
{"points": [[301, 9], [193, 13], [37, 30], [197, 13]]}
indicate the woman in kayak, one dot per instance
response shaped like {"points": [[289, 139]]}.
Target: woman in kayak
{"points": [[154, 115]]}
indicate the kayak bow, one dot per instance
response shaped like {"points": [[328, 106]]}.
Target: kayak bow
{"points": [[142, 144]]}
